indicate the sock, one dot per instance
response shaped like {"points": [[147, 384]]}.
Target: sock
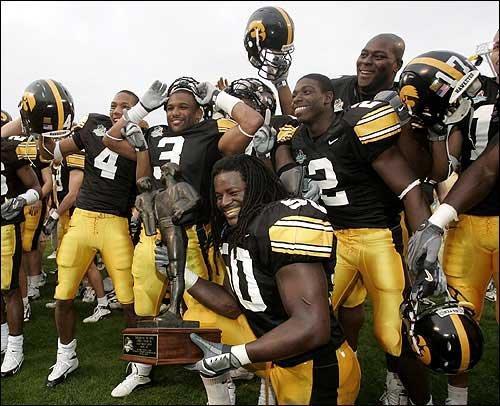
{"points": [[35, 280], [5, 331], [25, 301], [458, 395], [66, 348], [16, 342], [143, 369], [270, 398], [217, 390], [102, 301]]}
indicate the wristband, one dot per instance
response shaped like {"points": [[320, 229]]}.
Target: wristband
{"points": [[31, 196], [240, 352], [244, 133], [106, 134], [408, 188], [190, 278], [443, 215], [281, 83], [54, 215], [226, 102], [135, 114]]}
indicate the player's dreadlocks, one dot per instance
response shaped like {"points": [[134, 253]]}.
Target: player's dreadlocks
{"points": [[262, 187]]}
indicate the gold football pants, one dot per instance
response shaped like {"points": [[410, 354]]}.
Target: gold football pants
{"points": [[32, 226], [302, 384], [368, 257], [471, 258], [11, 256], [62, 227], [88, 233]]}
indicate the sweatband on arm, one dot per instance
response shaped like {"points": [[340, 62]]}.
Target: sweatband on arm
{"points": [[443, 215], [416, 182], [226, 102], [31, 196], [240, 352]]}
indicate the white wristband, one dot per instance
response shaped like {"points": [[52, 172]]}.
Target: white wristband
{"points": [[190, 279], [226, 102], [443, 215], [106, 134], [416, 182], [31, 196], [240, 352], [135, 114], [244, 133], [54, 215], [58, 156]]}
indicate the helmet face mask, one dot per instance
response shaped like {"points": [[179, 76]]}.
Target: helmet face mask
{"points": [[443, 333], [253, 90], [268, 41], [190, 85], [437, 87]]}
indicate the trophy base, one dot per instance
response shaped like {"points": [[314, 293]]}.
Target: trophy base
{"points": [[164, 345]]}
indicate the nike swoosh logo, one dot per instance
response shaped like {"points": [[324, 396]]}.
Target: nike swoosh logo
{"points": [[401, 108], [330, 142], [428, 277]]}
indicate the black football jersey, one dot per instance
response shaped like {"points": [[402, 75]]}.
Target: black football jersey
{"points": [[346, 92], [194, 150], [13, 158], [60, 174], [285, 232], [340, 161], [109, 179], [483, 128], [26, 146]]}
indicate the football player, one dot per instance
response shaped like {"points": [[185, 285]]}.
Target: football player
{"points": [[470, 255], [363, 179], [20, 187], [99, 223], [277, 252], [195, 144]]}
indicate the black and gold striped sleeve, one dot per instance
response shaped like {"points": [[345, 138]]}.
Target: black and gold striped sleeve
{"points": [[225, 124], [75, 161], [27, 150], [293, 231], [378, 124]]}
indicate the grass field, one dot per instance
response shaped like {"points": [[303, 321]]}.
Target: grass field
{"points": [[99, 348]]}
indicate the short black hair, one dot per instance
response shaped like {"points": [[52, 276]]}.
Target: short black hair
{"points": [[325, 83], [130, 93]]}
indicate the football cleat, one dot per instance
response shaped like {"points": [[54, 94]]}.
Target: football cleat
{"points": [[50, 305], [53, 255], [133, 380], [12, 362], [394, 392], [27, 312], [113, 302], [99, 313], [62, 368], [88, 295], [33, 292]]}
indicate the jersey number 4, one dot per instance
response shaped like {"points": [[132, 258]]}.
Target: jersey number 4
{"points": [[106, 161]]}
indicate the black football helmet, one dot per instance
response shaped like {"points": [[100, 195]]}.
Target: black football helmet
{"points": [[189, 84], [47, 109], [444, 336], [438, 87], [5, 117], [260, 95], [269, 41]]}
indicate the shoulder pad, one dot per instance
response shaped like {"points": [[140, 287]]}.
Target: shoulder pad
{"points": [[27, 150], [75, 161], [285, 133], [224, 124], [297, 228], [373, 121], [81, 123]]}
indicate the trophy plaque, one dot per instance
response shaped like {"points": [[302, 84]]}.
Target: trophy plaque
{"points": [[154, 344]]}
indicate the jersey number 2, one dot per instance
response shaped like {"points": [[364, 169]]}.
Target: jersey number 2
{"points": [[338, 198]]}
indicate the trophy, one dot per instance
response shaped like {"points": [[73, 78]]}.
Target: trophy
{"points": [[165, 339]]}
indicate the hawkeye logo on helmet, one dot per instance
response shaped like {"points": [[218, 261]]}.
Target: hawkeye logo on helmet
{"points": [[409, 95], [28, 101], [257, 28]]}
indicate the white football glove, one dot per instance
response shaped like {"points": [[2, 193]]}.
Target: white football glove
{"points": [[265, 137], [207, 93], [134, 136], [155, 96], [424, 243]]}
